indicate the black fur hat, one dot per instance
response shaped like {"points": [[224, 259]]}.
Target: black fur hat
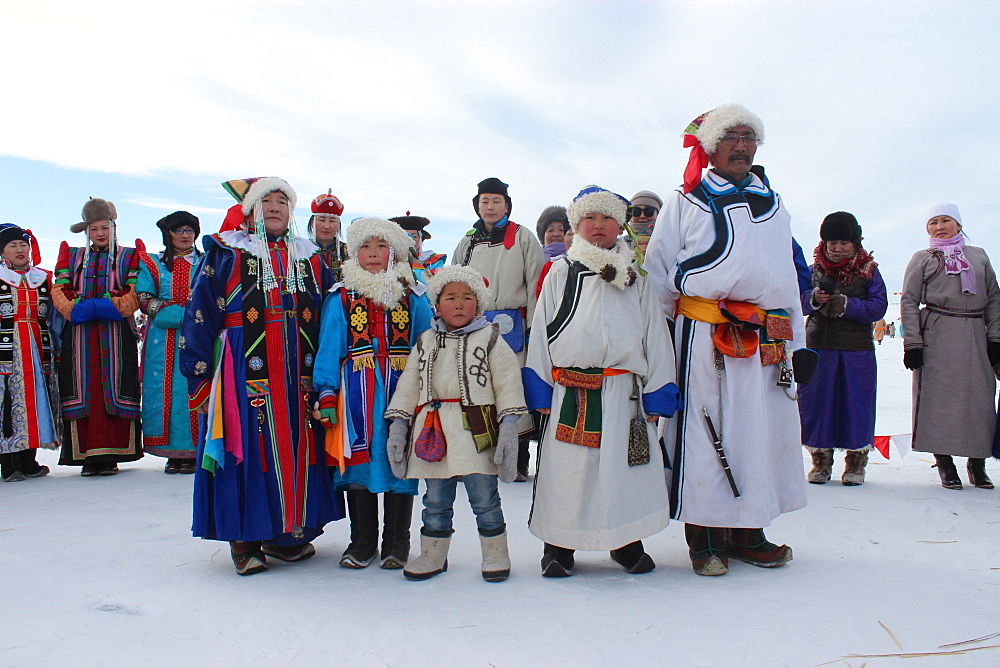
{"points": [[551, 214], [841, 226]]}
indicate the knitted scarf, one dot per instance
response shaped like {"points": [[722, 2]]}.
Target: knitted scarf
{"points": [[846, 268]]}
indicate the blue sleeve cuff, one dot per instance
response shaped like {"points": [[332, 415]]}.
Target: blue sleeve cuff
{"points": [[537, 393], [664, 402]]}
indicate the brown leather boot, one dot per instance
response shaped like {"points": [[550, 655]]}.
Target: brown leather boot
{"points": [[752, 547], [705, 547]]}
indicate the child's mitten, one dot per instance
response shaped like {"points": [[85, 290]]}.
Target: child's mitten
{"points": [[506, 456], [396, 447]]}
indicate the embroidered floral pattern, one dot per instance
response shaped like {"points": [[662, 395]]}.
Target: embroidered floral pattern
{"points": [[199, 319], [208, 271], [256, 363], [221, 303], [200, 367]]}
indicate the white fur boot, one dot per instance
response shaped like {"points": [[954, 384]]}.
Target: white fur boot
{"points": [[496, 559], [433, 559]]}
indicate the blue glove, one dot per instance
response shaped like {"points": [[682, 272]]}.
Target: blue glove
{"points": [[83, 311], [104, 309]]}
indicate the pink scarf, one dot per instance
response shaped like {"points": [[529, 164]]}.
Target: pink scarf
{"points": [[955, 261]]}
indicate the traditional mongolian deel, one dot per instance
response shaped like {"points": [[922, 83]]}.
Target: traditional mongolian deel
{"points": [[99, 369], [248, 348], [30, 416], [599, 356], [365, 345], [953, 406], [837, 407], [169, 427], [722, 244]]}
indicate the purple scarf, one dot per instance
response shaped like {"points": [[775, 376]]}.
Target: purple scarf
{"points": [[554, 249], [955, 261]]}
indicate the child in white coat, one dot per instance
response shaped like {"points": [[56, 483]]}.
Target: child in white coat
{"points": [[462, 393]]}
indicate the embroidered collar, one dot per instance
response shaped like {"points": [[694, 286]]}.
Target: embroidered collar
{"points": [[613, 265], [386, 287], [239, 239], [34, 277], [717, 184]]}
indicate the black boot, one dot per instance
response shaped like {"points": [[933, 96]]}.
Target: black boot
{"points": [[362, 507], [8, 468], [977, 473], [29, 466], [948, 472], [633, 558], [705, 547], [398, 512], [557, 562]]}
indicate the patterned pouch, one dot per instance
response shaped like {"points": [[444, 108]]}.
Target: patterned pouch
{"points": [[638, 437], [638, 442], [430, 445]]}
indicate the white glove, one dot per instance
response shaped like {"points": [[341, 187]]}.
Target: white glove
{"points": [[396, 447], [506, 455]]}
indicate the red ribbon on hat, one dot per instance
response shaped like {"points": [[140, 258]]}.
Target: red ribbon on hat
{"points": [[697, 161], [36, 253], [234, 218]]}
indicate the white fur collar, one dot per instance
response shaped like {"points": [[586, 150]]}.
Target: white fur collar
{"points": [[303, 248], [35, 275], [616, 261], [386, 287]]}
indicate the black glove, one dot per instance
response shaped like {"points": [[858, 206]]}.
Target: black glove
{"points": [[913, 358], [993, 352], [804, 361]]}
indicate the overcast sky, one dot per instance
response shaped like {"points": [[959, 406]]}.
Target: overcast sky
{"points": [[875, 108]]}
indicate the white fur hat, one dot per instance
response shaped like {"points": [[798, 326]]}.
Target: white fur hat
{"points": [[363, 229], [594, 199], [944, 209], [713, 125], [456, 273], [264, 185]]}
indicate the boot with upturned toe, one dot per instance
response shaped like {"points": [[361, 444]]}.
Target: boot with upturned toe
{"points": [[948, 472], [247, 557], [557, 562], [705, 549], [752, 547], [289, 552], [977, 473], [633, 558]]}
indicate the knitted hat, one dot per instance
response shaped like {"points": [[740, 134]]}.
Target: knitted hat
{"points": [[594, 199], [944, 209], [551, 214], [94, 210], [456, 273], [646, 198], [491, 186], [840, 226], [327, 205], [703, 134], [413, 224], [363, 229]]}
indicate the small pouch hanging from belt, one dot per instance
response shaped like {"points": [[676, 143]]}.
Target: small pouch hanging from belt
{"points": [[431, 445], [638, 436]]}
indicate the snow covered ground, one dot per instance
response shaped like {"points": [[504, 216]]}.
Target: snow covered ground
{"points": [[103, 571]]}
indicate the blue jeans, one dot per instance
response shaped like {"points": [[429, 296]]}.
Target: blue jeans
{"points": [[439, 504]]}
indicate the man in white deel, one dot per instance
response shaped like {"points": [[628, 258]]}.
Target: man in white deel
{"points": [[720, 258]]}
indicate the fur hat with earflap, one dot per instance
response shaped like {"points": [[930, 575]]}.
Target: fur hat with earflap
{"points": [[456, 273], [94, 210]]}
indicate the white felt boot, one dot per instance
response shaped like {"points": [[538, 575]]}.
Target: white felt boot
{"points": [[496, 559], [433, 559]]}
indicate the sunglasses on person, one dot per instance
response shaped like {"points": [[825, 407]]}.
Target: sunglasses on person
{"points": [[648, 211]]}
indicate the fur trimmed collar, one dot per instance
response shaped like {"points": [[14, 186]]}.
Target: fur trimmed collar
{"points": [[613, 265], [385, 288], [240, 239]]}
